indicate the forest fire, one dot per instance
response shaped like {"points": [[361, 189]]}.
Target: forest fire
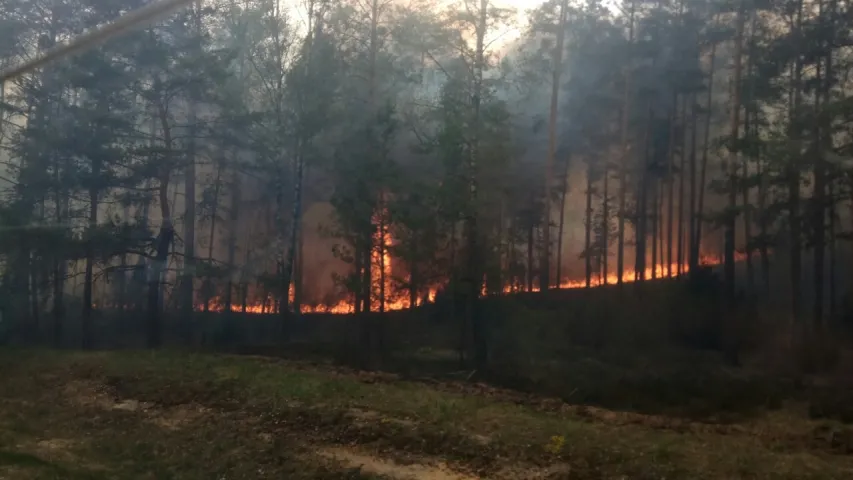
{"points": [[383, 287]]}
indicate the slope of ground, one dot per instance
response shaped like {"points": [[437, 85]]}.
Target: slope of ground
{"points": [[169, 415]]}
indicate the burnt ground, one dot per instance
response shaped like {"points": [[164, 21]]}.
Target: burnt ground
{"points": [[171, 415]]}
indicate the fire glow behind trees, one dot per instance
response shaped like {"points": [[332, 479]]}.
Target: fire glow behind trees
{"points": [[183, 158]]}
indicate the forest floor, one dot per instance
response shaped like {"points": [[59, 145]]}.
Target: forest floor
{"points": [[167, 415]]}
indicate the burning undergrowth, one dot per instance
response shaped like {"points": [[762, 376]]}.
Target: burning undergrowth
{"points": [[388, 295]]}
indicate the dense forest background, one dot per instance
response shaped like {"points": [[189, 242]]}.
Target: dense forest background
{"points": [[366, 156]]}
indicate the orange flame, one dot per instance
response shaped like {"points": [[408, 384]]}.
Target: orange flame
{"points": [[393, 300]]}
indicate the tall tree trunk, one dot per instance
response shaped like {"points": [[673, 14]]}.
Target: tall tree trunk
{"points": [[605, 225], [474, 262], [90, 256], [730, 165], [793, 173], [747, 219], [164, 237], [642, 214], [588, 226], [563, 189], [58, 300], [60, 262], [823, 145], [660, 232], [681, 171], [747, 207], [670, 183], [833, 258], [299, 269], [371, 227], [123, 267], [88, 279], [381, 251], [209, 287], [287, 272], [827, 146], [34, 291], [656, 208], [545, 264], [358, 267], [233, 227], [762, 225], [750, 131], [414, 277], [623, 158], [367, 274], [531, 270], [706, 144], [188, 274], [244, 282], [693, 257]]}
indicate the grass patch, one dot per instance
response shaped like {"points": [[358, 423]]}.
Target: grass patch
{"points": [[263, 418]]}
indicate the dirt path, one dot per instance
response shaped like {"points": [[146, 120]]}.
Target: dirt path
{"points": [[350, 457]]}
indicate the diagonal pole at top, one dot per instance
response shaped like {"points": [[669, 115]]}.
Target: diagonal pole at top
{"points": [[96, 36]]}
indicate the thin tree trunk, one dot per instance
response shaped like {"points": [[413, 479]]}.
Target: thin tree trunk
{"points": [[564, 188], [747, 219], [730, 164], [588, 225], [188, 276], [750, 130], [762, 226], [414, 278], [299, 270], [823, 145], [693, 260], [60, 262], [208, 288], [682, 161], [233, 226], [670, 183], [706, 144], [605, 224], [623, 164], [358, 261], [793, 175], [367, 274], [123, 267], [287, 272], [656, 208], [34, 291], [474, 262], [58, 300], [244, 283], [747, 209], [187, 300], [530, 266], [88, 280], [660, 232], [827, 146], [642, 215], [545, 264], [90, 257], [164, 238], [833, 258], [382, 253]]}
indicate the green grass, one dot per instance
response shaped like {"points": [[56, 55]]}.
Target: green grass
{"points": [[262, 418]]}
